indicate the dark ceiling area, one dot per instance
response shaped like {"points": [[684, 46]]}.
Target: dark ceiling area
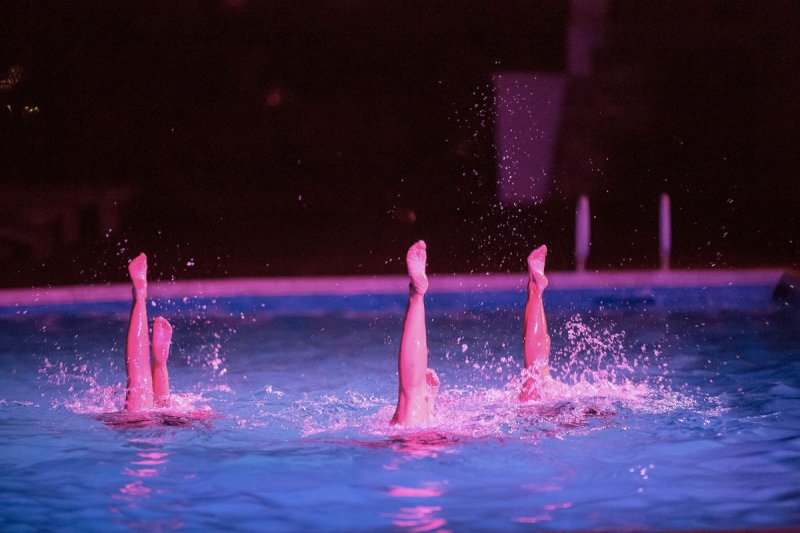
{"points": [[239, 138]]}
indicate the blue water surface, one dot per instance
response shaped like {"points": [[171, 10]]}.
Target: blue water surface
{"points": [[280, 421]]}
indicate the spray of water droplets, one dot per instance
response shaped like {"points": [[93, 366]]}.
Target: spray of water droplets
{"points": [[594, 381]]}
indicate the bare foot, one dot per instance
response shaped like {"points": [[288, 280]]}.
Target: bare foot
{"points": [[415, 261], [536, 268], [162, 336], [433, 388], [138, 272]]}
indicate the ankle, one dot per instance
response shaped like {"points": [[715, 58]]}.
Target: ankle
{"points": [[414, 292]]}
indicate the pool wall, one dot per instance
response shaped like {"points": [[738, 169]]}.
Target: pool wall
{"points": [[674, 290]]}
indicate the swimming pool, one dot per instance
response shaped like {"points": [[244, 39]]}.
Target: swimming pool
{"points": [[683, 410]]}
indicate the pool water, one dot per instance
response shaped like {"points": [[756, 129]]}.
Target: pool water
{"points": [[666, 420]]}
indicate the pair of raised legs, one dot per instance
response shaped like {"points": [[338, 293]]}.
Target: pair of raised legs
{"points": [[145, 387], [419, 384]]}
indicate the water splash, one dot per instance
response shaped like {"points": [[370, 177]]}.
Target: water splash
{"points": [[596, 377], [81, 384]]}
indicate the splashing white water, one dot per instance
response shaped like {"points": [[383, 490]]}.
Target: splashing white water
{"points": [[593, 380]]}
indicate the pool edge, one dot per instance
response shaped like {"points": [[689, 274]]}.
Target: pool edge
{"points": [[784, 283]]}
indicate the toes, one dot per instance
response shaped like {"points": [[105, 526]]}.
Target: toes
{"points": [[161, 323]]}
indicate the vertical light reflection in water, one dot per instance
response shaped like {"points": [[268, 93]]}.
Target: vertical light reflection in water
{"points": [[418, 518], [149, 462], [144, 483]]}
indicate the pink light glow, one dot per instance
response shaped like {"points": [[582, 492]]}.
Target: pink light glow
{"points": [[148, 462], [153, 455], [141, 472], [151, 458], [415, 492], [136, 489], [418, 519]]}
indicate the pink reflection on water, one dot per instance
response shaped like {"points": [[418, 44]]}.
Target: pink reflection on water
{"points": [[418, 519], [148, 462], [153, 455], [412, 446], [151, 450], [413, 492], [141, 472], [532, 519], [428, 489], [136, 490]]}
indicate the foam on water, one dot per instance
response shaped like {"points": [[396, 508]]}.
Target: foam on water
{"points": [[91, 381], [597, 376], [594, 380]]}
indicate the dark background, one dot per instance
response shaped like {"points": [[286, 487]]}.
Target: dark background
{"points": [[230, 138]]}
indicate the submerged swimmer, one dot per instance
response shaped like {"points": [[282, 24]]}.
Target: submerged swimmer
{"points": [[535, 339], [418, 384], [145, 387]]}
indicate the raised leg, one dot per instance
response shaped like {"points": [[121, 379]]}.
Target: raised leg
{"points": [[139, 395], [536, 340], [418, 384], [162, 335]]}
